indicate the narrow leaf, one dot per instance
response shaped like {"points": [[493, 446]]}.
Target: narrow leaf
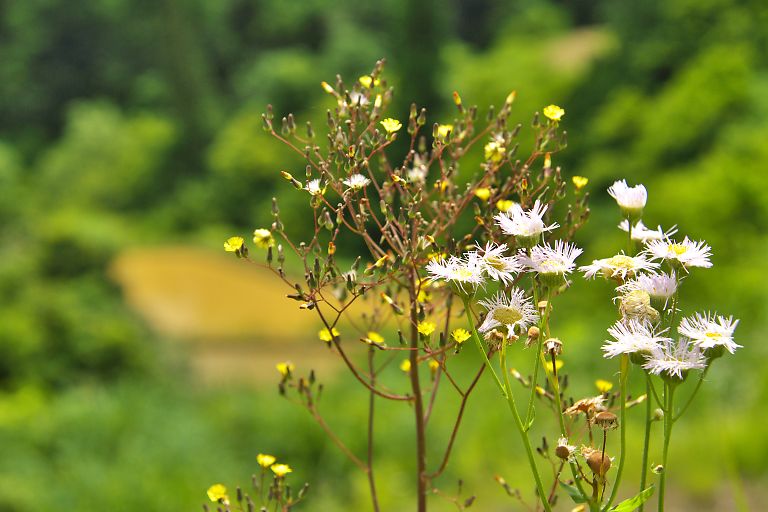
{"points": [[634, 502]]}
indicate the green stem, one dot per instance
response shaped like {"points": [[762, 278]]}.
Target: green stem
{"points": [[623, 378], [630, 245], [480, 347], [669, 392], [521, 428], [535, 379], [693, 395], [647, 437]]}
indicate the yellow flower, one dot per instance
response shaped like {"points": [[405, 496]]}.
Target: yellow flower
{"points": [[426, 328], [263, 238], [553, 112], [265, 460], [579, 182], [280, 470], [391, 125], [443, 130], [368, 81], [483, 193], [375, 337], [424, 296], [504, 205], [558, 364], [326, 336], [285, 368], [234, 244], [218, 493], [603, 386], [460, 335], [405, 365], [434, 364], [494, 151]]}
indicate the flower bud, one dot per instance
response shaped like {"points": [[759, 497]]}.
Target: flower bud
{"points": [[599, 463]]}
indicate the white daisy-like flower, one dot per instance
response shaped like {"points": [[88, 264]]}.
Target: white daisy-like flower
{"points": [[675, 359], [631, 200], [640, 233], [525, 224], [710, 331], [315, 188], [496, 265], [687, 253], [356, 182], [417, 174], [659, 287], [620, 266], [512, 310], [632, 337], [468, 271], [551, 261]]}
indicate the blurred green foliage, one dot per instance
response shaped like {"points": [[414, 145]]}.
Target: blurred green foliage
{"points": [[126, 122]]}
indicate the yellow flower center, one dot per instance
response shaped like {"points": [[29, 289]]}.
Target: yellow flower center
{"points": [[463, 273], [713, 335], [507, 316], [551, 266], [622, 261], [495, 262], [678, 248]]}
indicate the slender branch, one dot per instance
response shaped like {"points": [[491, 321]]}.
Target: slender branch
{"points": [[371, 403], [623, 378], [693, 395], [647, 436]]}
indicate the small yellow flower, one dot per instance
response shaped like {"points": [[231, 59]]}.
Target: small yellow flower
{"points": [[553, 112], [494, 151], [460, 335], [405, 365], [234, 244], [434, 364], [285, 368], [326, 336], [218, 493], [368, 81], [579, 182], [263, 238], [603, 386], [483, 193], [424, 296], [375, 337], [426, 328], [443, 130], [558, 364], [265, 460], [391, 125], [280, 470], [504, 205], [327, 88]]}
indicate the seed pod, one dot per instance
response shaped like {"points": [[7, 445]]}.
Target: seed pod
{"points": [[599, 463], [606, 420]]}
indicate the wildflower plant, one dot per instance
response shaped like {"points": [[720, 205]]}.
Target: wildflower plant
{"points": [[453, 254]]}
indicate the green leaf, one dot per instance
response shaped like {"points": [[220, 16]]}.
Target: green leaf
{"points": [[632, 503], [573, 492]]}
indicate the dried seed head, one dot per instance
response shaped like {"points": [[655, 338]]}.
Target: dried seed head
{"points": [[598, 462], [533, 333], [606, 420], [563, 450], [554, 346]]}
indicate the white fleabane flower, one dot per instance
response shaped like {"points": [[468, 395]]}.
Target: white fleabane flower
{"points": [[512, 310], [525, 224], [551, 263], [660, 287], [675, 359], [461, 271], [710, 331], [631, 200], [356, 182], [620, 266], [564, 450], [687, 253], [315, 188], [496, 265], [640, 233], [636, 305], [632, 337]]}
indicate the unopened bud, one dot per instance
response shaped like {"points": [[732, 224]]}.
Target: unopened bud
{"points": [[533, 333]]}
